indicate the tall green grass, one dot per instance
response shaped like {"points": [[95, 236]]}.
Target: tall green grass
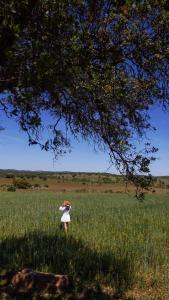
{"points": [[113, 239]]}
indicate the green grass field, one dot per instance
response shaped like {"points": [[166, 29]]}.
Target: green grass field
{"points": [[114, 240]]}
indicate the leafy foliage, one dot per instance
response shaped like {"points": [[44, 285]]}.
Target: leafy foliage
{"points": [[11, 188], [98, 66], [21, 183]]}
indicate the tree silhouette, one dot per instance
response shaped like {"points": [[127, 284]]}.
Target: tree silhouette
{"points": [[96, 66]]}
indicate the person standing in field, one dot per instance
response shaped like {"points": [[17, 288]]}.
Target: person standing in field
{"points": [[65, 219]]}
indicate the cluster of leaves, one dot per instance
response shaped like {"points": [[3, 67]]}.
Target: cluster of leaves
{"points": [[21, 183], [96, 65], [11, 188]]}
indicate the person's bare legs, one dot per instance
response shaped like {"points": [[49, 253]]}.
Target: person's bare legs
{"points": [[66, 227]]}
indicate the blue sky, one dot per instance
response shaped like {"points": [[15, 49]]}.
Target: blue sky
{"points": [[16, 154]]}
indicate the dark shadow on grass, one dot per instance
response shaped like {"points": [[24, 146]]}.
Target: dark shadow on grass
{"points": [[61, 254]]}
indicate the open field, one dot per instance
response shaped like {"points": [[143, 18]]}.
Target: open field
{"points": [[76, 182], [114, 241]]}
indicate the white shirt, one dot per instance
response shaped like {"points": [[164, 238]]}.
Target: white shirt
{"points": [[66, 216]]}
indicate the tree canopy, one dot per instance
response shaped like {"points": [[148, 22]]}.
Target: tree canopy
{"points": [[99, 66]]}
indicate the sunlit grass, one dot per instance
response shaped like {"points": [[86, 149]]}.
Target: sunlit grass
{"points": [[113, 238]]}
